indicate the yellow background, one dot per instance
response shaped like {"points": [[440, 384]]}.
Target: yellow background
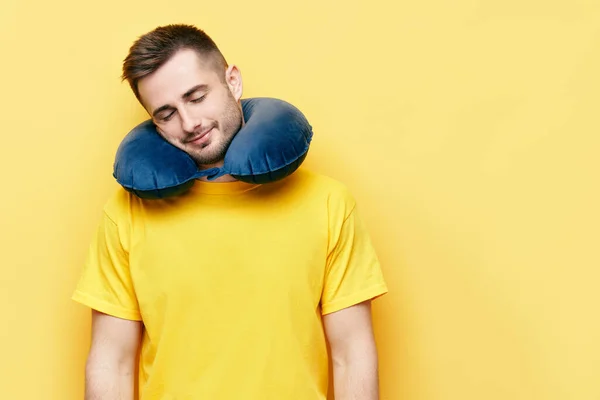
{"points": [[468, 131]]}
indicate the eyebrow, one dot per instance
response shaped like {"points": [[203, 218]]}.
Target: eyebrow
{"points": [[184, 96]]}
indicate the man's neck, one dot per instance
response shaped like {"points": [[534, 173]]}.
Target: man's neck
{"points": [[221, 179]]}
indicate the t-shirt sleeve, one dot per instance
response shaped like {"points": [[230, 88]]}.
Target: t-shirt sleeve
{"points": [[105, 283], [353, 272]]}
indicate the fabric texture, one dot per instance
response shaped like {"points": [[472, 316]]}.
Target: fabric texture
{"points": [[231, 281]]}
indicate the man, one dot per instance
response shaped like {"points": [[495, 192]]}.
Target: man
{"points": [[233, 290]]}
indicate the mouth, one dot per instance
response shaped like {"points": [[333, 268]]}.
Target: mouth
{"points": [[201, 138]]}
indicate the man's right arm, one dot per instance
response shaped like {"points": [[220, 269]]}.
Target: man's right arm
{"points": [[111, 364]]}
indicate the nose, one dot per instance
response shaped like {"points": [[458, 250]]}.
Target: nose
{"points": [[189, 123]]}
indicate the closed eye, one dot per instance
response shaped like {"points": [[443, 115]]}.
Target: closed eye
{"points": [[198, 99], [168, 117]]}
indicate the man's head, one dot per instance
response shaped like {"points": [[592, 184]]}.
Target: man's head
{"points": [[181, 78]]}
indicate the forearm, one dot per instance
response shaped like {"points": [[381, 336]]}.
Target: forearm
{"points": [[109, 383], [356, 381]]}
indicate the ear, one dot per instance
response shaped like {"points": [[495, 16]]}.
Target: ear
{"points": [[233, 78]]}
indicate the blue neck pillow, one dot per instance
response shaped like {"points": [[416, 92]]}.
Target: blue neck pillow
{"points": [[271, 145]]}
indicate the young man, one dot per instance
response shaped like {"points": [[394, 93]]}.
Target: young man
{"points": [[233, 290]]}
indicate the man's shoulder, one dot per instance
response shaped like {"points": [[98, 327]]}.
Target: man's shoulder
{"points": [[321, 182], [119, 204], [334, 191]]}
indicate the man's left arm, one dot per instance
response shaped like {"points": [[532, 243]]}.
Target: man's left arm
{"points": [[349, 332]]}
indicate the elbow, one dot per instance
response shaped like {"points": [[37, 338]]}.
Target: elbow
{"points": [[107, 362], [365, 355]]}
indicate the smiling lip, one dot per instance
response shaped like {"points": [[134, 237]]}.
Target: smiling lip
{"points": [[200, 139]]}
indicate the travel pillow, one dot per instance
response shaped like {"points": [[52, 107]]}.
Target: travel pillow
{"points": [[271, 145]]}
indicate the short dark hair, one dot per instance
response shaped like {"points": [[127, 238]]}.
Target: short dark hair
{"points": [[150, 51]]}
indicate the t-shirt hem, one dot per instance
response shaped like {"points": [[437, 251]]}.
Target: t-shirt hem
{"points": [[105, 307], [364, 295]]}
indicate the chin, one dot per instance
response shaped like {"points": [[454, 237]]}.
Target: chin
{"points": [[208, 158]]}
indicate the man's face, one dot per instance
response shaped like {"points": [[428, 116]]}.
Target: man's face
{"points": [[192, 107]]}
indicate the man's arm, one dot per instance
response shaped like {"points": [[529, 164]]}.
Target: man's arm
{"points": [[353, 351], [111, 363]]}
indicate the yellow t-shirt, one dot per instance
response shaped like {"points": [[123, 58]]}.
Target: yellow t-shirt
{"points": [[231, 281]]}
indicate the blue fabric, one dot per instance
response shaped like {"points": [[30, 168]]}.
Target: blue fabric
{"points": [[270, 146]]}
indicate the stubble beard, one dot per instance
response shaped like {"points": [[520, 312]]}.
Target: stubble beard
{"points": [[228, 126]]}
